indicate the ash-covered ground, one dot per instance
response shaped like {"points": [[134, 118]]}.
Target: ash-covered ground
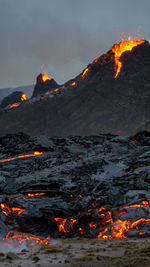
{"points": [[91, 187]]}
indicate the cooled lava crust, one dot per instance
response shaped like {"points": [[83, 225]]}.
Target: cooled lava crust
{"points": [[96, 186]]}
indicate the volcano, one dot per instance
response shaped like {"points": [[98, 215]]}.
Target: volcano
{"points": [[111, 95]]}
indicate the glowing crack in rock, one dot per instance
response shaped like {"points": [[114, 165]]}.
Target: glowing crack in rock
{"points": [[36, 153], [119, 49]]}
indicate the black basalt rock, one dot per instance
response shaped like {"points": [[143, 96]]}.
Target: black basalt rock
{"points": [[42, 87], [13, 98]]}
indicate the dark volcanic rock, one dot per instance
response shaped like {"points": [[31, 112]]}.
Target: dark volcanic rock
{"points": [[91, 103], [15, 97], [85, 184], [42, 87]]}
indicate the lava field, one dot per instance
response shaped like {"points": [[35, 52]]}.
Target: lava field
{"points": [[95, 187]]}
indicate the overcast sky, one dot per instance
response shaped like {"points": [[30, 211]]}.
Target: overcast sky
{"points": [[65, 35]]}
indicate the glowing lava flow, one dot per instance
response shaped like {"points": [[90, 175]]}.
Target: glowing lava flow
{"points": [[23, 97], [62, 224], [85, 72], [14, 105], [31, 240], [22, 156], [45, 78], [5, 209], [120, 48], [73, 84], [119, 228]]}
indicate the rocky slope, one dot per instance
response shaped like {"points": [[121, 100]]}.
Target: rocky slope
{"points": [[93, 102]]}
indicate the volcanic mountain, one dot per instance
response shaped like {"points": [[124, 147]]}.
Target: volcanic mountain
{"points": [[111, 95]]}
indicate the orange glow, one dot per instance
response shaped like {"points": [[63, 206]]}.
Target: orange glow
{"points": [[45, 78], [6, 209], [23, 97], [85, 72], [101, 209], [20, 237], [22, 156], [18, 210], [119, 49], [45, 75], [61, 224], [56, 90], [142, 220], [35, 194], [65, 225], [14, 105], [119, 228], [80, 156], [93, 224], [73, 84]]}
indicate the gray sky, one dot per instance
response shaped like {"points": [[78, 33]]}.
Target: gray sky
{"points": [[65, 35]]}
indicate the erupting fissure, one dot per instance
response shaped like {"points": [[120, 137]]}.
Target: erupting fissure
{"points": [[45, 78], [119, 49], [15, 105], [45, 75]]}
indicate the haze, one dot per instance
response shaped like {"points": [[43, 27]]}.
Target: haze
{"points": [[65, 35]]}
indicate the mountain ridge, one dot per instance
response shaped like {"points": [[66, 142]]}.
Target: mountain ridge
{"points": [[93, 102]]}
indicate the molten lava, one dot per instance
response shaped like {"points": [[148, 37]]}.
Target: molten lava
{"points": [[73, 84], [65, 225], [45, 75], [35, 194], [14, 105], [45, 78], [85, 72], [36, 153], [23, 97], [119, 49], [31, 240], [5, 209]]}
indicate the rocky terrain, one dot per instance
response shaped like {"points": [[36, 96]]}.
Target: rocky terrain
{"points": [[93, 102], [27, 89], [95, 186]]}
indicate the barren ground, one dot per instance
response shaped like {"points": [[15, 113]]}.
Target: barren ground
{"points": [[82, 252]]}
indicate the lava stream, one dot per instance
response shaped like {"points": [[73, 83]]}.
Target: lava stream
{"points": [[120, 48], [36, 153], [14, 235]]}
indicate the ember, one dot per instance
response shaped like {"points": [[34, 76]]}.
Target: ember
{"points": [[120, 48]]}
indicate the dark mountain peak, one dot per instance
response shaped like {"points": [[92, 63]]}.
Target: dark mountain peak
{"points": [[111, 95], [43, 84], [111, 64], [13, 99]]}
